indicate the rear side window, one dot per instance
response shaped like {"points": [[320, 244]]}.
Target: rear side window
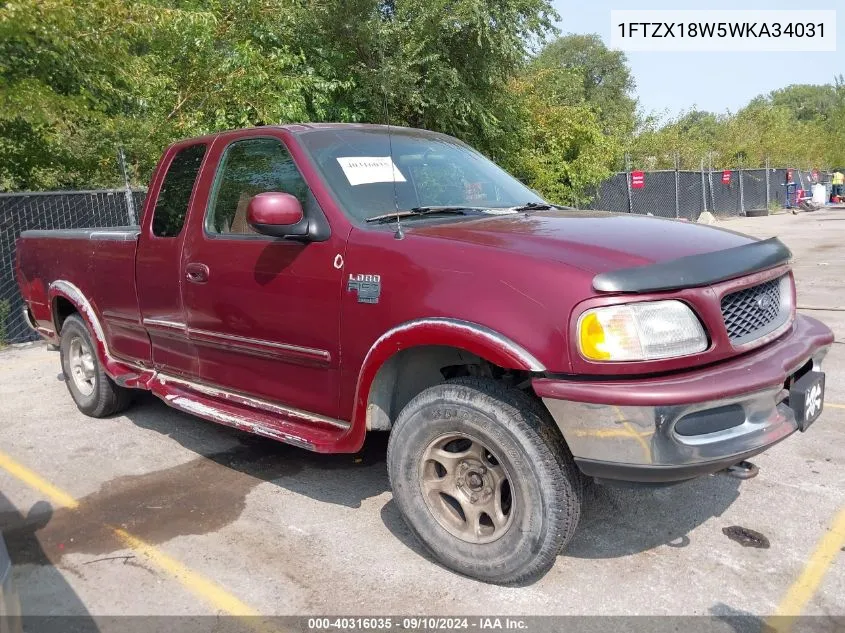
{"points": [[172, 204]]}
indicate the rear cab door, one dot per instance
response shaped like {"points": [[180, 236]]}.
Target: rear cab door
{"points": [[159, 268]]}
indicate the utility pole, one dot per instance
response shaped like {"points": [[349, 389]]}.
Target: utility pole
{"points": [[710, 178], [130, 201], [677, 186], [768, 191]]}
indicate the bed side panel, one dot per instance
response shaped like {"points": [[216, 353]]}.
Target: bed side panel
{"points": [[115, 297]]}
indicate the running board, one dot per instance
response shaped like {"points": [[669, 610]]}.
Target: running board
{"points": [[291, 426]]}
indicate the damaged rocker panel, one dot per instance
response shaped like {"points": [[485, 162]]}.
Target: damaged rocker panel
{"points": [[257, 403], [214, 414]]}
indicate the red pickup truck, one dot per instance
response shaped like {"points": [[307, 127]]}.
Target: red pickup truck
{"points": [[310, 283]]}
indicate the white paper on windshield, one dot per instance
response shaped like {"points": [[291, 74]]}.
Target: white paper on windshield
{"points": [[363, 170]]}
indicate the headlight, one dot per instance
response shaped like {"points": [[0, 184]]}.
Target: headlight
{"points": [[640, 331]]}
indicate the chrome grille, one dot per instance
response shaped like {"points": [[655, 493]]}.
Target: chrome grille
{"points": [[756, 311]]}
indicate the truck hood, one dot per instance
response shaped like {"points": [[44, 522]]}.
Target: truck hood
{"points": [[591, 240]]}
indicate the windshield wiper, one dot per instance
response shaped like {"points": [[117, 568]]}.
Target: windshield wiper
{"points": [[422, 211], [540, 206]]}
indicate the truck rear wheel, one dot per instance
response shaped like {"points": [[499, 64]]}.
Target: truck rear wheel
{"points": [[94, 393], [484, 480]]}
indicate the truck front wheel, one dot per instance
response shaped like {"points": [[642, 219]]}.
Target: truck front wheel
{"points": [[94, 393], [484, 480]]}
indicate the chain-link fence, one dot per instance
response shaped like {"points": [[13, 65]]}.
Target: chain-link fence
{"points": [[51, 210], [686, 194]]}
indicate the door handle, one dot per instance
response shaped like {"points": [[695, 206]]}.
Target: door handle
{"points": [[196, 273]]}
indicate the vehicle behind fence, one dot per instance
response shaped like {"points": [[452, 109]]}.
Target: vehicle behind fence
{"points": [[51, 210], [671, 194], [687, 194]]}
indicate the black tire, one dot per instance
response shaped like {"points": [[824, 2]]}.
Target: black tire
{"points": [[756, 213], [105, 398], [546, 487]]}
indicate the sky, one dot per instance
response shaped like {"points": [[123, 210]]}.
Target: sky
{"points": [[671, 83]]}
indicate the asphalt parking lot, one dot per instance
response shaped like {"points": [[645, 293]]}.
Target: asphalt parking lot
{"points": [[156, 512]]}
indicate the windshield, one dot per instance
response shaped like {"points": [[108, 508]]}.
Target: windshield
{"points": [[430, 169]]}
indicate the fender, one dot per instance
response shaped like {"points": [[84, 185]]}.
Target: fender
{"points": [[120, 371], [472, 337]]}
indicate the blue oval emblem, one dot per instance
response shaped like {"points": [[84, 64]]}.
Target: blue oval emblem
{"points": [[763, 301]]}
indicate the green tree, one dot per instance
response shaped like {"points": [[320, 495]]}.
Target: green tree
{"points": [[798, 126], [572, 111], [441, 64], [806, 101], [596, 76], [78, 79], [562, 150], [690, 137]]}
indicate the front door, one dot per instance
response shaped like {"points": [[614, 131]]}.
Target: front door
{"points": [[263, 311], [158, 265]]}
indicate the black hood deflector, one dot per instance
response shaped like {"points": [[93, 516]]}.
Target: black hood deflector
{"points": [[696, 270]]}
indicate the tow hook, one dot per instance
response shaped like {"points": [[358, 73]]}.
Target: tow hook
{"points": [[742, 470]]}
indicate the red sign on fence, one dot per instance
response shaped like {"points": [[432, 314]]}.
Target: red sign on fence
{"points": [[726, 177], [637, 179]]}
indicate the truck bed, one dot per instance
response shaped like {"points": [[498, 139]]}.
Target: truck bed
{"points": [[100, 264]]}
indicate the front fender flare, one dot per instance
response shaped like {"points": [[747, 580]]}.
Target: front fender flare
{"points": [[472, 337]]}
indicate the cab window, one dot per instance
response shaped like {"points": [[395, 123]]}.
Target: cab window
{"points": [[175, 194], [250, 167]]}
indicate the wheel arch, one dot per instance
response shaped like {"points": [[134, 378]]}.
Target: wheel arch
{"points": [[126, 373], [65, 299], [419, 349], [60, 309]]}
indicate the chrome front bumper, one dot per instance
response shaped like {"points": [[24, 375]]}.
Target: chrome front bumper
{"points": [[669, 443]]}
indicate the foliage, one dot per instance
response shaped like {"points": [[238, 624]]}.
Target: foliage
{"points": [[809, 102], [4, 314], [563, 151], [79, 79], [573, 112], [440, 64], [595, 76], [799, 126]]}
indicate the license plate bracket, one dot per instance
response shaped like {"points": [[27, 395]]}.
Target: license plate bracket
{"points": [[806, 398]]}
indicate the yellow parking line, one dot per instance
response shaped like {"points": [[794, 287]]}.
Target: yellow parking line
{"points": [[835, 406], [200, 585], [206, 589], [31, 479], [803, 589]]}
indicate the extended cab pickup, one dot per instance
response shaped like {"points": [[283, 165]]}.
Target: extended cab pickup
{"points": [[310, 283]]}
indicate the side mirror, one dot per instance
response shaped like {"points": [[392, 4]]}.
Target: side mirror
{"points": [[277, 214]]}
